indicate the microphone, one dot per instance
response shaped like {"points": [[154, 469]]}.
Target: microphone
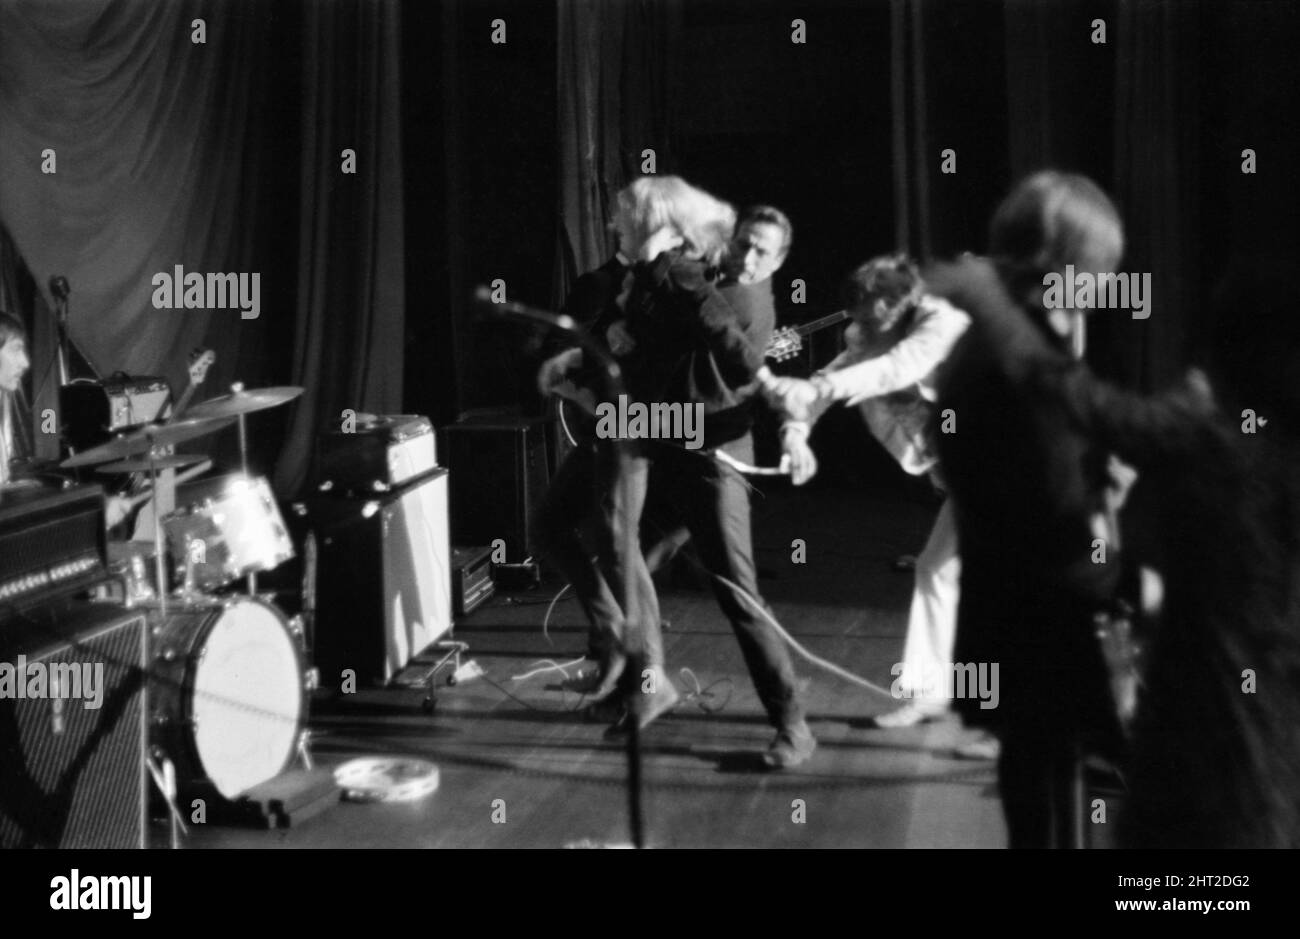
{"points": [[59, 287]]}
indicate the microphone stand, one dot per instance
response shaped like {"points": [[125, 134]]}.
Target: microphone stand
{"points": [[625, 451]]}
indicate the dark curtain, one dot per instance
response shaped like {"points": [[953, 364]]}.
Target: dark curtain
{"points": [[221, 156], [947, 93], [1027, 88], [154, 142], [348, 342], [617, 78], [1158, 101]]}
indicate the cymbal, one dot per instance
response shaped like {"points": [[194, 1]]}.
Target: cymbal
{"points": [[144, 440], [244, 401], [143, 465]]}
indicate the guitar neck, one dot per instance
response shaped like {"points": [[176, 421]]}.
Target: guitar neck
{"points": [[183, 403], [808, 329]]}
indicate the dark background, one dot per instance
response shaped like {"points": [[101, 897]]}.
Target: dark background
{"points": [[462, 141], [810, 128]]}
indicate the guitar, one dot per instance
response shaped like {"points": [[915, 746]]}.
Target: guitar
{"points": [[200, 361], [788, 341]]}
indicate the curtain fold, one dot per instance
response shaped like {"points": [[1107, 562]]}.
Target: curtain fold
{"points": [[1158, 100], [617, 78], [150, 134], [349, 338], [222, 157]]}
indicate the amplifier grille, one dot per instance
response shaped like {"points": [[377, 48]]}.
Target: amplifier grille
{"points": [[81, 786]]}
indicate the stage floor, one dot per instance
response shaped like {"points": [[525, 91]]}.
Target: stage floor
{"points": [[514, 744]]}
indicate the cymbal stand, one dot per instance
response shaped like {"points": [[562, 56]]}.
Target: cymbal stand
{"points": [[159, 569], [238, 388]]}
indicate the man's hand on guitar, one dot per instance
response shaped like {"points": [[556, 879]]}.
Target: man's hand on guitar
{"points": [[554, 369], [620, 340]]}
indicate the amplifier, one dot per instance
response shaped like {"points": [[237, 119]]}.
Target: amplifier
{"points": [[92, 410], [72, 744], [498, 477], [471, 579], [52, 541], [379, 453], [382, 578]]}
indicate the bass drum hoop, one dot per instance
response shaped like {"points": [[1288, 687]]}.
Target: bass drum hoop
{"points": [[181, 730]]}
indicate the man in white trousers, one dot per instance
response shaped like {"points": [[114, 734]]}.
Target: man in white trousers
{"points": [[895, 350]]}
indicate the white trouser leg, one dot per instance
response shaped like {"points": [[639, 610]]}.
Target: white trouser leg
{"points": [[932, 622]]}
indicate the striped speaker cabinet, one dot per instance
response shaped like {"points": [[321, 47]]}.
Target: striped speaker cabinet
{"points": [[72, 728]]}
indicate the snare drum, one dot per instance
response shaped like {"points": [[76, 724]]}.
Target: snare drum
{"points": [[236, 532], [227, 694]]}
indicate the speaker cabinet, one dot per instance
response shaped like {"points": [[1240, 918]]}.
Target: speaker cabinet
{"points": [[383, 578], [72, 758], [498, 477]]}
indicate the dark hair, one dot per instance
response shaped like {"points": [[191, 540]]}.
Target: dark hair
{"points": [[768, 215], [10, 328], [889, 277], [1049, 220]]}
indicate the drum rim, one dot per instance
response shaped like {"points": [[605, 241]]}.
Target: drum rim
{"points": [[180, 728]]}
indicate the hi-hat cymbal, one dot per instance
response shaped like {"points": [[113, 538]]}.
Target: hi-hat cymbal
{"points": [[244, 401], [144, 464], [144, 440]]}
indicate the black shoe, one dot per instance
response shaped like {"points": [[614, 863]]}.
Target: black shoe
{"points": [[609, 709], [645, 708], [793, 745]]}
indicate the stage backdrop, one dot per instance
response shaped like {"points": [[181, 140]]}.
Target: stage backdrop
{"points": [[136, 136]]}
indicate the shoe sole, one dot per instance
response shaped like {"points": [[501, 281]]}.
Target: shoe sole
{"points": [[923, 719]]}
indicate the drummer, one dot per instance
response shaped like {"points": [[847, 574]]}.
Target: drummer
{"points": [[14, 443]]}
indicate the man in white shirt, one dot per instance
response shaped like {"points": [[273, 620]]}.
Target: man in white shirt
{"points": [[896, 347]]}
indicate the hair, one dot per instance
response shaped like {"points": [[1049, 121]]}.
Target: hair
{"points": [[891, 278], [1049, 220], [768, 215], [652, 202], [11, 328]]}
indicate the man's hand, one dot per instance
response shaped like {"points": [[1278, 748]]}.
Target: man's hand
{"points": [[798, 398], [554, 369], [796, 455], [620, 340]]}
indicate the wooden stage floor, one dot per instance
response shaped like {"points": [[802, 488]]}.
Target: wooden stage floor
{"points": [[562, 784]]}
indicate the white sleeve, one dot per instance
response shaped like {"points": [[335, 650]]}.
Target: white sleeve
{"points": [[938, 327]]}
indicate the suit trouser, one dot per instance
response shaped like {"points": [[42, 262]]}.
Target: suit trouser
{"points": [[591, 485], [712, 500], [932, 620]]}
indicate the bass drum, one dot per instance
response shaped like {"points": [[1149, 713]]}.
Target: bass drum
{"points": [[227, 695]]}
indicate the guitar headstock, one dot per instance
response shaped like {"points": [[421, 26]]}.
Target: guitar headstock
{"points": [[785, 343], [200, 362]]}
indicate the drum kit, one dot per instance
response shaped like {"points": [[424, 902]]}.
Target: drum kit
{"points": [[227, 680]]}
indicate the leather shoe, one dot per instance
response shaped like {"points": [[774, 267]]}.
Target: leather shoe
{"points": [[793, 745], [910, 714], [646, 707]]}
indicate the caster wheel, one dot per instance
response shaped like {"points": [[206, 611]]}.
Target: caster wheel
{"points": [[451, 679], [427, 705]]}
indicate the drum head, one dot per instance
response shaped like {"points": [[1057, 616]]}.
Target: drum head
{"points": [[247, 705]]}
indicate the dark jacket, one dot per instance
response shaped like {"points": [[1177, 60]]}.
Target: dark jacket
{"points": [[1026, 482], [692, 345]]}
